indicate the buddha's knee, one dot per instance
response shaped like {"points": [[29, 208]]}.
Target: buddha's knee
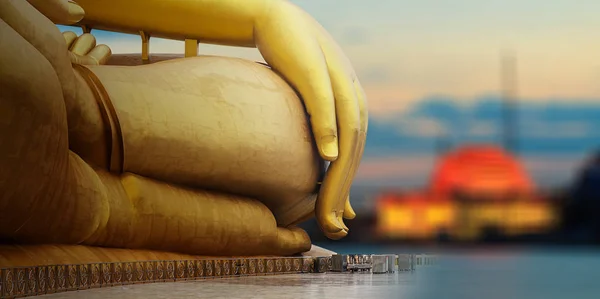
{"points": [[67, 209], [47, 193]]}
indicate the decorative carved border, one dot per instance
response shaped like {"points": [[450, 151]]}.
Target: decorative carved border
{"points": [[30, 281]]}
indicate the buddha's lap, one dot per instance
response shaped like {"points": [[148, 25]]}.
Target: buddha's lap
{"points": [[219, 123], [52, 196], [128, 211]]}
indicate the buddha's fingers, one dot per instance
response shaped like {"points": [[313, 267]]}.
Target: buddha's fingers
{"points": [[83, 44], [100, 54], [70, 37], [83, 49], [348, 210], [335, 189], [348, 106], [295, 53], [59, 11], [362, 136]]}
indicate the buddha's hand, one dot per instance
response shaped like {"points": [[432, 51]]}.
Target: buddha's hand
{"points": [[82, 49], [296, 46]]}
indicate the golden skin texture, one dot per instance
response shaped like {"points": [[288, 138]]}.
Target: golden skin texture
{"points": [[118, 156], [294, 45]]}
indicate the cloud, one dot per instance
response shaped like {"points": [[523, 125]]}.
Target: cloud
{"points": [[557, 130], [422, 127], [535, 129], [562, 127], [446, 109]]}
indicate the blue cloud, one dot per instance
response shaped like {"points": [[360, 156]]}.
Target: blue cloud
{"points": [[565, 127], [444, 109]]}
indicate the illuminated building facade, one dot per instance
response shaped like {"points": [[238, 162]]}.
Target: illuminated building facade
{"points": [[474, 190]]}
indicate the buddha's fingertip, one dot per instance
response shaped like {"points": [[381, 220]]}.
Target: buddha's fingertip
{"points": [[329, 148], [76, 12]]}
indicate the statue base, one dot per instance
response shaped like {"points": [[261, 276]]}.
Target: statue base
{"points": [[28, 270]]}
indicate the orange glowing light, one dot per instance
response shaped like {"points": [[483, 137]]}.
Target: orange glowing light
{"points": [[480, 169]]}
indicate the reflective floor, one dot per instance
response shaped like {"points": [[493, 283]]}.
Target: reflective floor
{"points": [[473, 274], [330, 285]]}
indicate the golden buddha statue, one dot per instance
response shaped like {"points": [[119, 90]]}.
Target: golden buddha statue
{"points": [[199, 155]]}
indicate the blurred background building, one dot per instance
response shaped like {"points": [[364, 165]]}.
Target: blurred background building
{"points": [[476, 192]]}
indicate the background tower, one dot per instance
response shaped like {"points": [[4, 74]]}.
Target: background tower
{"points": [[509, 86]]}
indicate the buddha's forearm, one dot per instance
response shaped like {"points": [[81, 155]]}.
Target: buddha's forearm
{"points": [[229, 22]]}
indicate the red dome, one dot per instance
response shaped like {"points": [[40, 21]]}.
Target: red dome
{"points": [[480, 169]]}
